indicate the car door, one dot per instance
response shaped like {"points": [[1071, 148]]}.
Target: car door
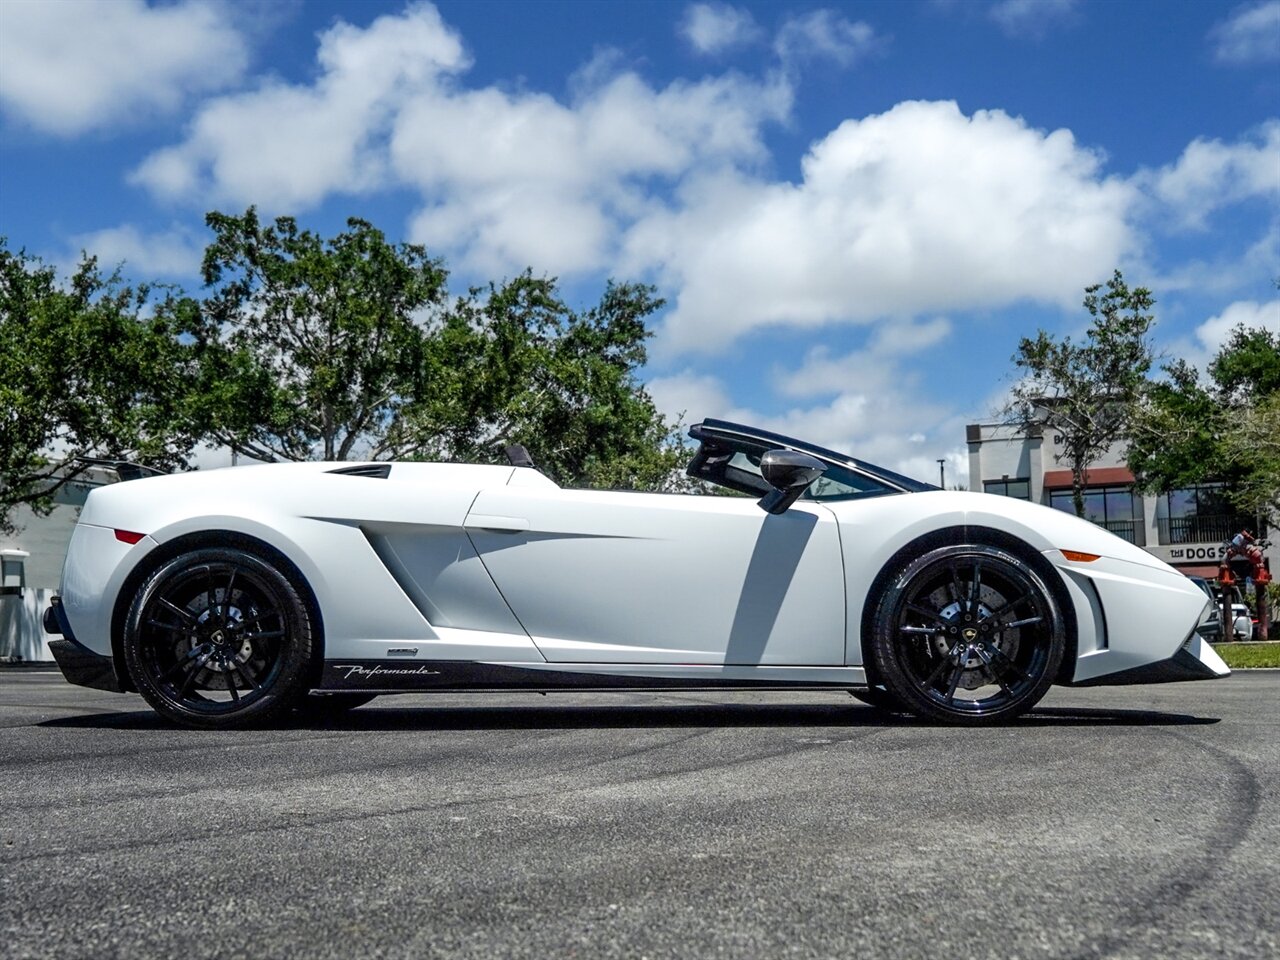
{"points": [[597, 576]]}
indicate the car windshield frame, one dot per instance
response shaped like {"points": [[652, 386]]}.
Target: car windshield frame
{"points": [[722, 442]]}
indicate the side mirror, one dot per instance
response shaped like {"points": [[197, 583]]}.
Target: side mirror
{"points": [[789, 473]]}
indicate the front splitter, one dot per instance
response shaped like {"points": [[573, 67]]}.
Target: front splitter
{"points": [[1194, 660]]}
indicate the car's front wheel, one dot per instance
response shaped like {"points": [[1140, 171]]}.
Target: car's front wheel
{"points": [[219, 637], [968, 634]]}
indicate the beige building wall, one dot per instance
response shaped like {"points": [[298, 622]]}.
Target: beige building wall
{"points": [[1003, 452], [31, 561]]}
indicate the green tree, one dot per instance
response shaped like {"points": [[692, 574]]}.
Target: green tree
{"points": [[1227, 428], [527, 369], [312, 348], [1084, 391], [92, 368], [350, 348]]}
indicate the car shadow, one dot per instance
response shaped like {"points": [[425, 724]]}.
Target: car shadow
{"points": [[388, 717], [1094, 716]]}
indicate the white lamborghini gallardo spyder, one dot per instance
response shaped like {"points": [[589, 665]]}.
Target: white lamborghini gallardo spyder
{"points": [[227, 597]]}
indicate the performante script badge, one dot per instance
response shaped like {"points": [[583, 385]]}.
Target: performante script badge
{"points": [[368, 673]]}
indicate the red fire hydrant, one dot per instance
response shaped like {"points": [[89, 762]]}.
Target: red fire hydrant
{"points": [[1243, 548]]}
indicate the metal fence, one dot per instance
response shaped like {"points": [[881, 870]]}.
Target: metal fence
{"points": [[1204, 529], [1131, 530]]}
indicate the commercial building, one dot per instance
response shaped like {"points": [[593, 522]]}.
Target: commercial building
{"points": [[31, 567], [1186, 528]]}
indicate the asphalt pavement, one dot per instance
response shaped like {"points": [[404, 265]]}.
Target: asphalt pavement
{"points": [[1111, 822]]}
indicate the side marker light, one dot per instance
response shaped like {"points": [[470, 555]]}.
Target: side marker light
{"points": [[128, 536], [1079, 557]]}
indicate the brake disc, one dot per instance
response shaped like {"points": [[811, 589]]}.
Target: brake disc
{"points": [[976, 673]]}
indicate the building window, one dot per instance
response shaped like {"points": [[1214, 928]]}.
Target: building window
{"points": [[1200, 514], [1019, 489], [1115, 509]]}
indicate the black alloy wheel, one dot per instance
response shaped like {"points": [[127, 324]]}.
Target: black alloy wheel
{"points": [[219, 637], [968, 634]]}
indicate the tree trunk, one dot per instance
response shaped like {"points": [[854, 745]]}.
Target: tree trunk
{"points": [[1077, 487], [328, 430], [1264, 611]]}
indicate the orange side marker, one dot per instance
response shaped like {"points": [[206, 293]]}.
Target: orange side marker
{"points": [[1078, 557]]}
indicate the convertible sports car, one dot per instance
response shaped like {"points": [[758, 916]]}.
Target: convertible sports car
{"points": [[227, 597]]}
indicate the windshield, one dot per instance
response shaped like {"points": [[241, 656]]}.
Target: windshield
{"points": [[736, 465], [846, 477]]}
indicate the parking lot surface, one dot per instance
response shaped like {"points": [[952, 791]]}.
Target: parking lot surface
{"points": [[1121, 822]]}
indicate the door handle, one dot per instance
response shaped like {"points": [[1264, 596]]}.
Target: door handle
{"points": [[492, 524]]}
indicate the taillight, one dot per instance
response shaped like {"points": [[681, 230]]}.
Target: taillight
{"points": [[128, 536]]}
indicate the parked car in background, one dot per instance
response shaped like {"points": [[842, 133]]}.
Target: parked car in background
{"points": [[1243, 626], [1211, 624]]}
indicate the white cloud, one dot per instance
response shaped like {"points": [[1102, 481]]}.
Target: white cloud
{"points": [[825, 35], [878, 427], [915, 210], [1213, 333], [507, 179], [870, 370], [1031, 18], [865, 414], [693, 396], [512, 179], [1211, 174], [1250, 35], [287, 146], [865, 419], [169, 254], [904, 337], [1225, 270], [72, 66], [715, 27], [1209, 336], [899, 215], [852, 402]]}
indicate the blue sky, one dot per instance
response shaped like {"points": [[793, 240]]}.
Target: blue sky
{"points": [[854, 210]]}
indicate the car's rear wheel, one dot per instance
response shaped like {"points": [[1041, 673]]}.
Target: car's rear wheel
{"points": [[219, 637], [968, 634]]}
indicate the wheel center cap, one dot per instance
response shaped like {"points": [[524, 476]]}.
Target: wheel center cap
{"points": [[969, 633], [217, 636]]}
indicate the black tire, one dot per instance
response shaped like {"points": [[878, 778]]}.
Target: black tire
{"points": [[325, 706], [217, 638], [968, 634]]}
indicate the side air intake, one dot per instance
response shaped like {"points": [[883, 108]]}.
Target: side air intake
{"points": [[376, 471]]}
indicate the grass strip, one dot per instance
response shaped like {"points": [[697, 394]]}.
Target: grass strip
{"points": [[1245, 655]]}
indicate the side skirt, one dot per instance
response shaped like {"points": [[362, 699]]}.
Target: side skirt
{"points": [[400, 676]]}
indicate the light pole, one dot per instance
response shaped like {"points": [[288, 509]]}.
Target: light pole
{"points": [[942, 473]]}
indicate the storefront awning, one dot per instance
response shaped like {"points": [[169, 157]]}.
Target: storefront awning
{"points": [[1097, 477], [1207, 570]]}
